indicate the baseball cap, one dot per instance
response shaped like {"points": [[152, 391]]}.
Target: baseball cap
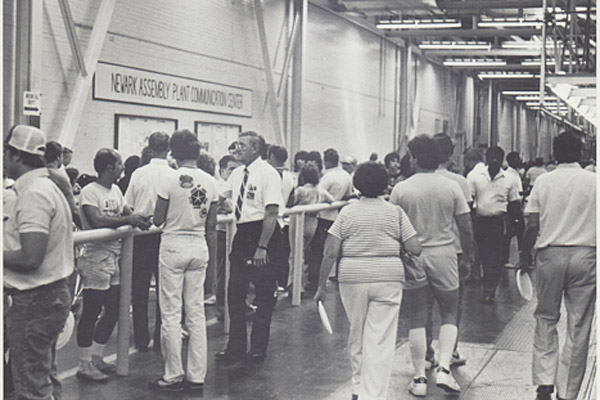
{"points": [[28, 139]]}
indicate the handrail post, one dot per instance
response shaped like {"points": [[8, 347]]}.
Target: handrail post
{"points": [[125, 264], [228, 245], [298, 258]]}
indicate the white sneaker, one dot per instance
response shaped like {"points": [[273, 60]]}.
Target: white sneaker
{"points": [[445, 380], [418, 387]]}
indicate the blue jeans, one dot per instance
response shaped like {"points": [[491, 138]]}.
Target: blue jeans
{"points": [[34, 321]]}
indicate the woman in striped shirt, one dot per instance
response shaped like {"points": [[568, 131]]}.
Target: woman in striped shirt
{"points": [[369, 234]]}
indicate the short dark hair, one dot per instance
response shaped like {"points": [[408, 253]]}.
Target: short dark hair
{"points": [[331, 156], [539, 162], [473, 155], [159, 142], [300, 155], [494, 153], [405, 168], [104, 157], [67, 150], [426, 151], [316, 157], [73, 174], [513, 159], [184, 145], [206, 163], [389, 157], [567, 148], [256, 138], [131, 164], [308, 174], [31, 160], [371, 179], [53, 151], [446, 146], [225, 160], [279, 152]]}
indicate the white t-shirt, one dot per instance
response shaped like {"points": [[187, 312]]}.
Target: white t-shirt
{"points": [[110, 203], [513, 174], [190, 192], [143, 186], [338, 183], [565, 199], [431, 203], [464, 186], [262, 189], [491, 197]]}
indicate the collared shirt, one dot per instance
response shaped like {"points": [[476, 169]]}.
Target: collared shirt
{"points": [[565, 199], [339, 185], [143, 186], [491, 197], [262, 189], [464, 187], [40, 207], [535, 172], [480, 166], [513, 175]]}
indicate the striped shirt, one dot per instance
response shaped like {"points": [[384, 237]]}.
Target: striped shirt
{"points": [[370, 234]]}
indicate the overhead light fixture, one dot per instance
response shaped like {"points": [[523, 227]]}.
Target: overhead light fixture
{"points": [[509, 23], [535, 98], [537, 62], [521, 92], [437, 23], [528, 44], [450, 45], [474, 62], [506, 75]]}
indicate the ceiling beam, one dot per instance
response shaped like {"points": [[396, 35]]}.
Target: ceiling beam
{"points": [[484, 53], [463, 32], [584, 92], [508, 67], [487, 4], [572, 79]]}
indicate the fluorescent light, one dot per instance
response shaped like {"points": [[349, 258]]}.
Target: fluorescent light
{"points": [[551, 61], [509, 23], [455, 45], [474, 62], [529, 44], [521, 92], [534, 98], [506, 75], [437, 23]]}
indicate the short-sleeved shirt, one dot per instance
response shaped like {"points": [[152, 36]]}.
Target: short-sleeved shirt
{"points": [[565, 199], [491, 197], [513, 174], [371, 232], [431, 201], [141, 192], [464, 187], [310, 194], [110, 203], [40, 207], [535, 172], [262, 189], [338, 183], [190, 192]]}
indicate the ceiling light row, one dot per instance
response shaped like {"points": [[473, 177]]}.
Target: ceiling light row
{"points": [[453, 45], [474, 62], [506, 75], [436, 23]]}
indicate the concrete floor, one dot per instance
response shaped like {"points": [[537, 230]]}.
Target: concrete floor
{"points": [[305, 362]]}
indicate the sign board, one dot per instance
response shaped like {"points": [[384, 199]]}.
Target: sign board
{"points": [[32, 103], [132, 85]]}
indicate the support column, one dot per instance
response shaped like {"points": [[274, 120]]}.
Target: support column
{"points": [[301, 10]]}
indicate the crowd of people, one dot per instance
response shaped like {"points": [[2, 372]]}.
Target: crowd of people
{"points": [[415, 229]]}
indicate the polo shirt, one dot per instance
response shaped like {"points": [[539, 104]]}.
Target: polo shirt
{"points": [[565, 199], [41, 207], [339, 184], [190, 192], [431, 201], [464, 187], [262, 189], [371, 231], [143, 186], [491, 197]]}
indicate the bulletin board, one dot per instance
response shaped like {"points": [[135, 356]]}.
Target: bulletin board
{"points": [[132, 132], [215, 138]]}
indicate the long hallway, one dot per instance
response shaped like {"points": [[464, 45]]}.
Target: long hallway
{"points": [[305, 362]]}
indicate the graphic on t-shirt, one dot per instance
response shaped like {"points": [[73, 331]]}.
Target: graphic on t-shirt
{"points": [[186, 181], [111, 208], [198, 196]]}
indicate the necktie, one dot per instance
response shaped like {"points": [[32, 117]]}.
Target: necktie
{"points": [[240, 199]]}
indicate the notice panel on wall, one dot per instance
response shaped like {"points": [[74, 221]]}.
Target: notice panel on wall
{"points": [[132, 132], [215, 138], [132, 85]]}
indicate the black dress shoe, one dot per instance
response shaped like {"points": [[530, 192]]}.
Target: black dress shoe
{"points": [[256, 356], [228, 356], [544, 392]]}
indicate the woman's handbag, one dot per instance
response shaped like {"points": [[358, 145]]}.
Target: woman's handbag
{"points": [[414, 270]]}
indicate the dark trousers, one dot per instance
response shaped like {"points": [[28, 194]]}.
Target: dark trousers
{"points": [[34, 321], [221, 261], [264, 279], [145, 264], [90, 328], [284, 267], [490, 234], [315, 251]]}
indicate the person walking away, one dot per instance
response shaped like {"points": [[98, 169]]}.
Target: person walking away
{"points": [[535, 172], [141, 197], [187, 205], [256, 188], [514, 162], [38, 260], [102, 206], [561, 214], [368, 235], [434, 203]]}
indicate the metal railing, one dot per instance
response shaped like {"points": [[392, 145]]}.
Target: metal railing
{"points": [[127, 233]]}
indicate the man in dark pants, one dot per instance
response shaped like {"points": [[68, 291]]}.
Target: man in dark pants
{"points": [[496, 202], [141, 196], [255, 188]]}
